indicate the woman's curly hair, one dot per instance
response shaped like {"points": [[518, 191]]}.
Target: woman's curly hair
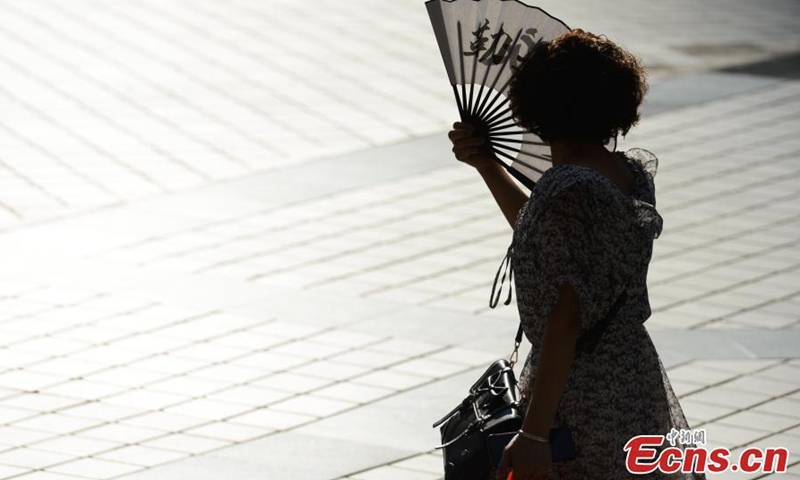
{"points": [[579, 86]]}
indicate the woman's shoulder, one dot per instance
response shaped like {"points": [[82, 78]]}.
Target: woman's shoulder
{"points": [[568, 182], [645, 159], [580, 178]]}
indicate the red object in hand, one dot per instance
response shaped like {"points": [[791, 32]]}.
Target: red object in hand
{"points": [[510, 475]]}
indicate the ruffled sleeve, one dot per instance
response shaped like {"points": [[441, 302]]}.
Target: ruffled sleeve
{"points": [[648, 162], [648, 217], [646, 159]]}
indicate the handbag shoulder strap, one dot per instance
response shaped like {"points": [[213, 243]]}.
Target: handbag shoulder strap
{"points": [[588, 341]]}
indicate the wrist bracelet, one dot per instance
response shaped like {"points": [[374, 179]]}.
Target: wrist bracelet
{"points": [[533, 437]]}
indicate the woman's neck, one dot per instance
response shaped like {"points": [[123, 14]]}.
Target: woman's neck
{"points": [[596, 156], [579, 153]]}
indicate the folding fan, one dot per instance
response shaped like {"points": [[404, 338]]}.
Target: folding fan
{"points": [[480, 42]]}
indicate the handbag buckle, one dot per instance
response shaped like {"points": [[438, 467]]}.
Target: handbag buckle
{"points": [[512, 360]]}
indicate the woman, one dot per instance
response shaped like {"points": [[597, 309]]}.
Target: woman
{"points": [[583, 238]]}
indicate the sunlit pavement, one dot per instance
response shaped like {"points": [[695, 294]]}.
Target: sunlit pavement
{"points": [[235, 244]]}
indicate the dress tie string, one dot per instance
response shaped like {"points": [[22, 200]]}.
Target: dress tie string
{"points": [[507, 268]]}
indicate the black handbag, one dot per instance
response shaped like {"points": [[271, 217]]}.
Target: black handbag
{"points": [[472, 433]]}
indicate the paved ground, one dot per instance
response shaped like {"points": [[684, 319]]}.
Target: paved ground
{"points": [[233, 237]]}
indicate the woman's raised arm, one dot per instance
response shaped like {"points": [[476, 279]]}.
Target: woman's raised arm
{"points": [[471, 150]]}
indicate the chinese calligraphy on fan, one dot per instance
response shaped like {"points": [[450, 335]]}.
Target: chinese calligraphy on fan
{"points": [[501, 43]]}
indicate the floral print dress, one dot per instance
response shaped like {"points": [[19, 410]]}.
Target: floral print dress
{"points": [[579, 227]]}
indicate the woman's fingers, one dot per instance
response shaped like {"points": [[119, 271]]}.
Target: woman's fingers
{"points": [[524, 465], [469, 148], [461, 130], [454, 135], [468, 142], [504, 467], [464, 143], [464, 153], [536, 473], [521, 473], [459, 134]]}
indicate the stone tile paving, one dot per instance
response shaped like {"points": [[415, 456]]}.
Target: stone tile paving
{"points": [[104, 385], [109, 102], [727, 256], [683, 36], [137, 335], [101, 380], [740, 404]]}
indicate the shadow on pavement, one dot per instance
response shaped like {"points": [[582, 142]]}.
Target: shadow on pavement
{"points": [[782, 66]]}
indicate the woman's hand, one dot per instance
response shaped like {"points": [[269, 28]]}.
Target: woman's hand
{"points": [[529, 459], [476, 152], [470, 149]]}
